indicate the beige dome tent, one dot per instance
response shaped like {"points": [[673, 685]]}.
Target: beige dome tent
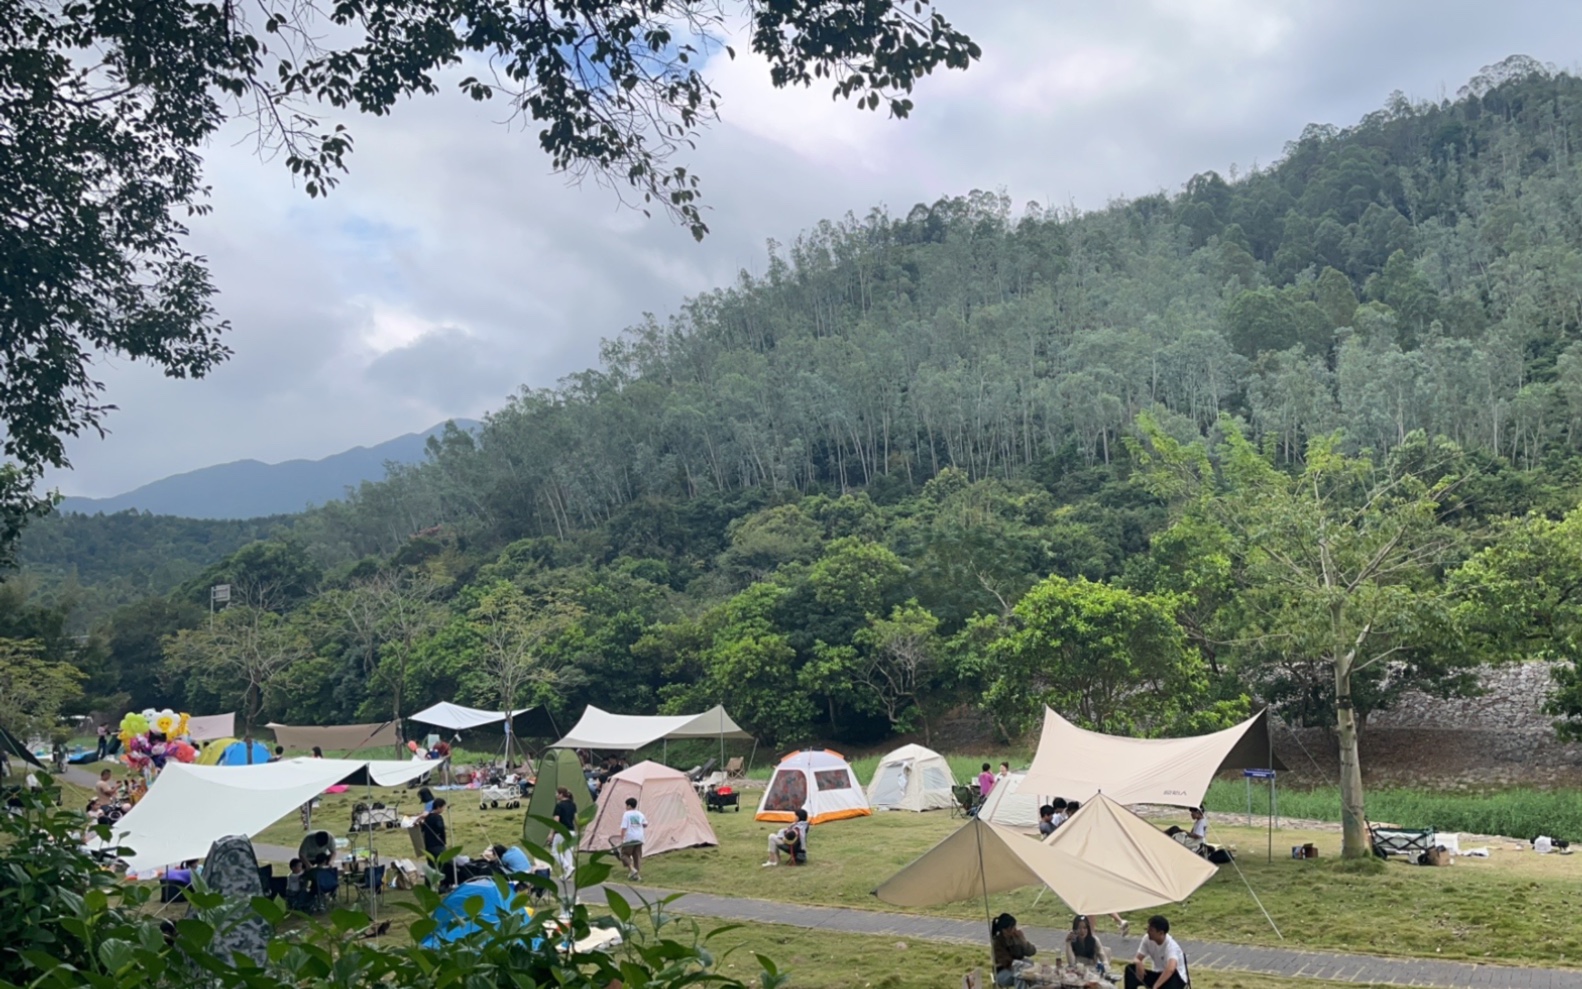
{"points": [[676, 818], [1011, 804], [912, 778]]}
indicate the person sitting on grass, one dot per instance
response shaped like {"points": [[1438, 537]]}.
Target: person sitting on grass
{"points": [[791, 841], [1169, 961], [634, 828], [1008, 944]]}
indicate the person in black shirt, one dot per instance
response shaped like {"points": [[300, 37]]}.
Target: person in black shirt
{"points": [[564, 849], [435, 840]]}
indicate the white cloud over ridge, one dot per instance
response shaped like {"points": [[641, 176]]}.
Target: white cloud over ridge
{"points": [[451, 267]]}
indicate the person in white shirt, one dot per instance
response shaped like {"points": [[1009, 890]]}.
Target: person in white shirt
{"points": [[1199, 823], [1168, 960], [792, 841], [634, 827]]}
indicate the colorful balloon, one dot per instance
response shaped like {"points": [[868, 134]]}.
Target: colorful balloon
{"points": [[412, 746]]}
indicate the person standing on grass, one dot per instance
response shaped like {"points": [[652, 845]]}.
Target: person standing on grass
{"points": [[563, 847], [1168, 960], [435, 840], [634, 828], [985, 782], [104, 744]]}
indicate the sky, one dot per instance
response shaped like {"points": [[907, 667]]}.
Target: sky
{"points": [[452, 266]]}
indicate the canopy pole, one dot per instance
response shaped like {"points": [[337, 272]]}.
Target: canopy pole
{"points": [[1255, 899], [983, 884]]}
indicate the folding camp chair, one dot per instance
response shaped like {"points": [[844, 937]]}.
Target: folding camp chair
{"points": [[735, 768], [966, 804]]}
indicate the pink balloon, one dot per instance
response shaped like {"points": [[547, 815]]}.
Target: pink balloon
{"points": [[412, 746]]}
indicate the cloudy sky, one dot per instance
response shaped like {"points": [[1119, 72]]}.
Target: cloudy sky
{"points": [[451, 267]]}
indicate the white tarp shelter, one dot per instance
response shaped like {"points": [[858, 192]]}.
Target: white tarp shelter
{"points": [[676, 818], [599, 729], [190, 806], [1124, 865], [1012, 804], [912, 778], [1076, 763], [454, 717], [212, 726], [819, 781]]}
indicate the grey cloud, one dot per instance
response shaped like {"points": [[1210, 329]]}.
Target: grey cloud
{"points": [[449, 369]]}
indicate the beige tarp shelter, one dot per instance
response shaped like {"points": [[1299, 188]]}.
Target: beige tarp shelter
{"points": [[599, 729], [1124, 866], [676, 818], [209, 727], [336, 738], [1076, 763], [188, 807], [912, 778]]}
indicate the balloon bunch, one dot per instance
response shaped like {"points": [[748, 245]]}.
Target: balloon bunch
{"points": [[153, 738]]}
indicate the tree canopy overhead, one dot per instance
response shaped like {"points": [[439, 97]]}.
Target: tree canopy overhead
{"points": [[105, 106]]}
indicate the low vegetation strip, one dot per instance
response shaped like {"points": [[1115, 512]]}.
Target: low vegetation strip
{"points": [[1520, 813]]}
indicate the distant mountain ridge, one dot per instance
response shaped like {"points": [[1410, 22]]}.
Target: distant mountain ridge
{"points": [[245, 489]]}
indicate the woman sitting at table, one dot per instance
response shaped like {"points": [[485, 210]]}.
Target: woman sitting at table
{"points": [[1009, 945], [1082, 948]]}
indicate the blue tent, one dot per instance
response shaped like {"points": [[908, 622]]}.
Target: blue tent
{"points": [[455, 922], [235, 754]]}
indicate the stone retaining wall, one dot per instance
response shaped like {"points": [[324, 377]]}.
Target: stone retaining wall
{"points": [[1501, 737]]}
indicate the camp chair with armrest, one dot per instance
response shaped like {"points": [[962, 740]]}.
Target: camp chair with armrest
{"points": [[735, 768], [326, 885], [966, 803]]}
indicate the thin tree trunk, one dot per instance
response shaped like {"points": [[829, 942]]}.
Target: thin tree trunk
{"points": [[1354, 836]]}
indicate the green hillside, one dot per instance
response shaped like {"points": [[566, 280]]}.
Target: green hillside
{"points": [[818, 495]]}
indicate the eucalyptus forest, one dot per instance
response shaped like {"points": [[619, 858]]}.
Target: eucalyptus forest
{"points": [[1308, 436]]}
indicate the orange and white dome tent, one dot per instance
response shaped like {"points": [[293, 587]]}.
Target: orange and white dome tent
{"points": [[818, 780]]}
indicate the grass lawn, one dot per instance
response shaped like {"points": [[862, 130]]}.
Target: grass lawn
{"points": [[1514, 908]]}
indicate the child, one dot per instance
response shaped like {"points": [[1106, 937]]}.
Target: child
{"points": [[633, 829], [1046, 820], [296, 886]]}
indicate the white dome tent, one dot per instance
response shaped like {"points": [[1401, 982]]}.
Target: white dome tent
{"points": [[912, 778], [1009, 807], [819, 781]]}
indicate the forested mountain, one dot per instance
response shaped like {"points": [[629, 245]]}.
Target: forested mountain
{"points": [[247, 489], [992, 456]]}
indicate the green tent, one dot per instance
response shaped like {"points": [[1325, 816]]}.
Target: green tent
{"points": [[558, 767]]}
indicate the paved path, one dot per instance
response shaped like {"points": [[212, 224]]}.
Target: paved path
{"points": [[1202, 954]]}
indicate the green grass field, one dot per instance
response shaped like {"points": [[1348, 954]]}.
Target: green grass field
{"points": [[1514, 908]]}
